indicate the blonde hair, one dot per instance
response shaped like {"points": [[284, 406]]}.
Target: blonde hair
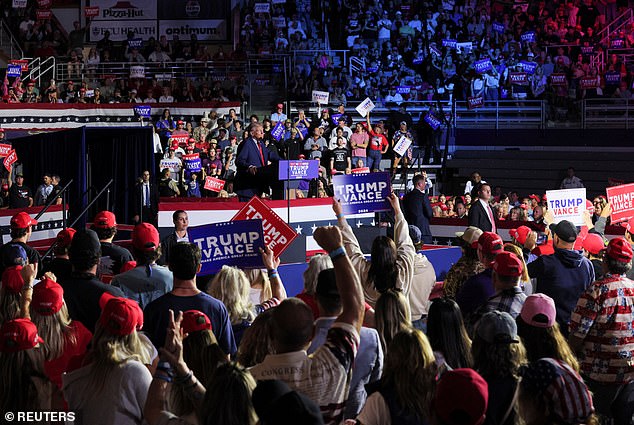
{"points": [[546, 342], [410, 369], [55, 330], [231, 286], [316, 264], [260, 279], [511, 247], [392, 315], [9, 305]]}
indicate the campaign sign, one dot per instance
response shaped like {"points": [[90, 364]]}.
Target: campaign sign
{"points": [[232, 243], [44, 4], [360, 170], [262, 8], [587, 50], [432, 120], [135, 43], [180, 139], [19, 3], [558, 79], [320, 97], [173, 165], [528, 37], [364, 107], [24, 63], [434, 50], [403, 89], [528, 67], [298, 170], [417, 60], [621, 198], [14, 70], [588, 82], [213, 184], [137, 71], [43, 14], [498, 27], [192, 162], [567, 204], [483, 65], [617, 43], [475, 102], [464, 47], [520, 78], [10, 160], [5, 150], [279, 21], [278, 130], [362, 193], [143, 111], [612, 78], [91, 11], [278, 235], [615, 182], [402, 145], [335, 118], [449, 43]]}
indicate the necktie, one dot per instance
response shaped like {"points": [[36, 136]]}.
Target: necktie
{"points": [[147, 194], [261, 153], [490, 212]]}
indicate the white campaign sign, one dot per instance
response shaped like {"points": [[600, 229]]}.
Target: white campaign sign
{"points": [[137, 71], [402, 145], [321, 97], [364, 107], [567, 204]]}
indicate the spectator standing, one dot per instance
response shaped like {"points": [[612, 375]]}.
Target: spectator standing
{"points": [[278, 115], [44, 190], [21, 226], [20, 196], [480, 213], [417, 208], [145, 201], [378, 145], [113, 256], [571, 181]]}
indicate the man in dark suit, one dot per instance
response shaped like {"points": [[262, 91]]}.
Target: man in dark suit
{"points": [[481, 214], [145, 201], [252, 174], [417, 208]]}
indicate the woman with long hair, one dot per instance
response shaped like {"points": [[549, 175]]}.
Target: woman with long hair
{"points": [[116, 365], [232, 287], [498, 355], [165, 125], [64, 339], [447, 334], [525, 280], [467, 266], [392, 315], [404, 393], [260, 285], [25, 386], [391, 264], [12, 292], [257, 341], [540, 332], [316, 264]]}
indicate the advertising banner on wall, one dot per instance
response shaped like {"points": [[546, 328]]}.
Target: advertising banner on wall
{"points": [[128, 10], [119, 29], [205, 30]]}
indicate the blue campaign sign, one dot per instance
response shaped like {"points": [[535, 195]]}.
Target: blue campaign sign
{"points": [[278, 130], [529, 37], [363, 193], [135, 43], [232, 243], [192, 162], [335, 118], [403, 89], [14, 70], [498, 27], [450, 43], [298, 170], [143, 111], [432, 120], [612, 78], [483, 65], [528, 67]]}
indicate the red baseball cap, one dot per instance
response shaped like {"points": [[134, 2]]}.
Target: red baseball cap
{"points": [[120, 316], [180, 122], [467, 386], [520, 234], [105, 220], [48, 297], [191, 140], [12, 280], [533, 196], [1, 130], [65, 237], [145, 237], [507, 264], [589, 206], [18, 335], [593, 243], [22, 220], [620, 250], [490, 243], [280, 106], [194, 320]]}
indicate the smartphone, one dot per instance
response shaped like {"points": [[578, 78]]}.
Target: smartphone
{"points": [[541, 238]]}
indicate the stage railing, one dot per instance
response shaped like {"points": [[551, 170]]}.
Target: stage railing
{"points": [[607, 113]]}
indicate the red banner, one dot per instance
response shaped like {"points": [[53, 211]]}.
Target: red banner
{"points": [[475, 102], [24, 63], [621, 198], [91, 11], [360, 170], [278, 235], [558, 79], [43, 14], [181, 139], [44, 4], [214, 184], [10, 160], [5, 149]]}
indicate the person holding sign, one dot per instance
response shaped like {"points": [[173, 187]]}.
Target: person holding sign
{"points": [[402, 137], [392, 261], [253, 157], [378, 145]]}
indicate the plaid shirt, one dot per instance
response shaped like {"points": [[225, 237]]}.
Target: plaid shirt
{"points": [[509, 300]]}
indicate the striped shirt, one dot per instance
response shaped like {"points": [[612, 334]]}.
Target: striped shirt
{"points": [[604, 319], [324, 376]]}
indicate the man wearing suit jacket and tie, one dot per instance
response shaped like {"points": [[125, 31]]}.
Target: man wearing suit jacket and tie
{"points": [[251, 176], [417, 208], [481, 213], [146, 201]]}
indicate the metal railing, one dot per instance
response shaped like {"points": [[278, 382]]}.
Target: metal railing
{"points": [[6, 36], [607, 113], [624, 19], [41, 69]]}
